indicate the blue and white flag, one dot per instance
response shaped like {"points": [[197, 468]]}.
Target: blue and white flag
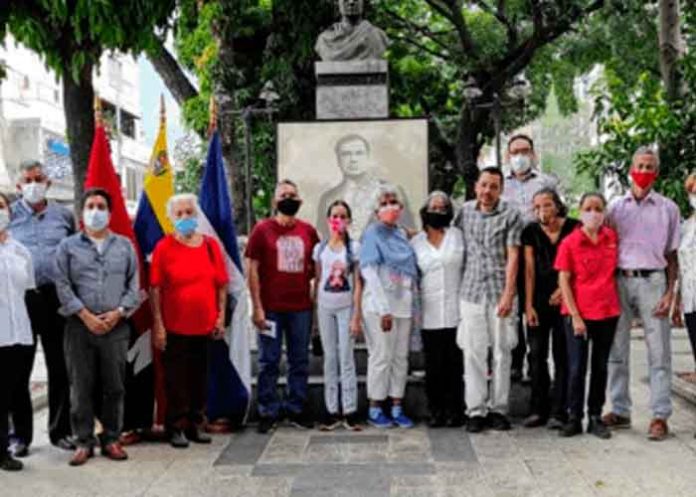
{"points": [[229, 383]]}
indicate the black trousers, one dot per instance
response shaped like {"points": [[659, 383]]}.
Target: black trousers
{"points": [[551, 329], [520, 351], [13, 358], [690, 321], [186, 380], [601, 335], [444, 371], [48, 326], [139, 405], [97, 370]]}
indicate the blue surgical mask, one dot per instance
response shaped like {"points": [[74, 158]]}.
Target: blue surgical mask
{"points": [[95, 219], [186, 226]]}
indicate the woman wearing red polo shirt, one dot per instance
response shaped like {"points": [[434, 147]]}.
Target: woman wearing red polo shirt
{"points": [[586, 263], [188, 278]]}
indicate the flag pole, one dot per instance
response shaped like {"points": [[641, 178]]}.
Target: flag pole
{"points": [[212, 126], [98, 117], [163, 111]]}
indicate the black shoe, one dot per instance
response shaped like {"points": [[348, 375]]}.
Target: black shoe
{"points": [[9, 463], [597, 427], [330, 422], [534, 421], [351, 422], [266, 424], [498, 422], [476, 424], [555, 424], [456, 420], [571, 428], [437, 420], [299, 420], [20, 449], [65, 443], [178, 440], [196, 436]]}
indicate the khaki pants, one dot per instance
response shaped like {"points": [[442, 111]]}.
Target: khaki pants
{"points": [[387, 363], [480, 329]]}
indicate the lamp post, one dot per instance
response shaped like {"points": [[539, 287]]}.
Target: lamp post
{"points": [[268, 96], [517, 92]]}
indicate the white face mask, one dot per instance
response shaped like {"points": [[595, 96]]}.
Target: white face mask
{"points": [[520, 163], [34, 193], [692, 200], [95, 219], [4, 219]]}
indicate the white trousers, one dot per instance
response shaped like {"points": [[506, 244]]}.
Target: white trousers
{"points": [[480, 328], [387, 363]]}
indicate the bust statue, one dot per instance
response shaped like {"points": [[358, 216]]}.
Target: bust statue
{"points": [[353, 38]]}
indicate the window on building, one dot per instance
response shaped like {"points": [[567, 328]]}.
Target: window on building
{"points": [[128, 124]]}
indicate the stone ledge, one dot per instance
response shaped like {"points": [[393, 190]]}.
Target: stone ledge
{"points": [[684, 388], [351, 67]]}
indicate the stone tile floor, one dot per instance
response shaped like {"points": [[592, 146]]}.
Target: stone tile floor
{"points": [[414, 463]]}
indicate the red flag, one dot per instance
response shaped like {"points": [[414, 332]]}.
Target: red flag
{"points": [[101, 174]]}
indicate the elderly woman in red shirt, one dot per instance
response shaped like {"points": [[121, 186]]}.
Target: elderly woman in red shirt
{"points": [[189, 280], [586, 262]]}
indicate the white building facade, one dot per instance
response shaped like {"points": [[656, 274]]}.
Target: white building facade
{"points": [[32, 120]]}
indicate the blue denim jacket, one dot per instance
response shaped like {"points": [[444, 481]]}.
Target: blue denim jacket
{"points": [[101, 282], [41, 233]]}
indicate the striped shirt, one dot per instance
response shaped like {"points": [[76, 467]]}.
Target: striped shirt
{"points": [[487, 236]]}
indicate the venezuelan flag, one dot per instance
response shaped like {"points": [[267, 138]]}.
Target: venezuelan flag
{"points": [[151, 225]]}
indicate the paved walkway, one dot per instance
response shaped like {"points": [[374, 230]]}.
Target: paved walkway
{"points": [[413, 463]]}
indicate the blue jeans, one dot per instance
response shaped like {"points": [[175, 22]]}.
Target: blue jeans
{"points": [[296, 328]]}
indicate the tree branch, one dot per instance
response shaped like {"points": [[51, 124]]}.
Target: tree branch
{"points": [[501, 17], [423, 30], [172, 74], [451, 10], [425, 48]]}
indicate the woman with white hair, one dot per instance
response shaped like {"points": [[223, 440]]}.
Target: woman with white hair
{"points": [[440, 252], [388, 265], [188, 279]]}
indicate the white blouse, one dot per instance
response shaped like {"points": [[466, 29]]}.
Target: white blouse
{"points": [[16, 277], [687, 265], [441, 271], [386, 292]]}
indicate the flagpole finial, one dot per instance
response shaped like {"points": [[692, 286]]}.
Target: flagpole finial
{"points": [[163, 110], [213, 115], [97, 109]]}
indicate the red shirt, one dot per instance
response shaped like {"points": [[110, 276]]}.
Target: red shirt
{"points": [[188, 279], [592, 268], [284, 254]]}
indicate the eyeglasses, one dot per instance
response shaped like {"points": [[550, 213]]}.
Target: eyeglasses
{"points": [[385, 203]]}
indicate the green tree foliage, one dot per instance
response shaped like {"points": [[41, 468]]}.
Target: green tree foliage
{"points": [[632, 110], [71, 36]]}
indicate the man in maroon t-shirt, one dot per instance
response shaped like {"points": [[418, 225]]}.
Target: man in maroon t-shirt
{"points": [[280, 276]]}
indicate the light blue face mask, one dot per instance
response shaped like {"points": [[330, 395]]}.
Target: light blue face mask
{"points": [[95, 219], [186, 226]]}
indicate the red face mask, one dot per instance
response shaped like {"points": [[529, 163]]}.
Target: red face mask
{"points": [[643, 179]]}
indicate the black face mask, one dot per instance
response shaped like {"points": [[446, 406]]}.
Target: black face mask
{"points": [[289, 206], [437, 220]]}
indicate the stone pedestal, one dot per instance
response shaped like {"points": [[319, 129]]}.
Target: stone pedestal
{"points": [[352, 89]]}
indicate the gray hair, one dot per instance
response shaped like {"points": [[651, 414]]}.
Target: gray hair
{"points": [[438, 194], [647, 150], [384, 190], [29, 164], [182, 197]]}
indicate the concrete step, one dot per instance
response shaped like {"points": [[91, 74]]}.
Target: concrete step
{"points": [[415, 400], [316, 363]]}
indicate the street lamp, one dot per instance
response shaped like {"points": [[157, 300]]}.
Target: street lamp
{"points": [[268, 96], [518, 91]]}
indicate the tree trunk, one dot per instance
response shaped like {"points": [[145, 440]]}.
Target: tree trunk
{"points": [[78, 103], [172, 75], [225, 85], [671, 47], [468, 147]]}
